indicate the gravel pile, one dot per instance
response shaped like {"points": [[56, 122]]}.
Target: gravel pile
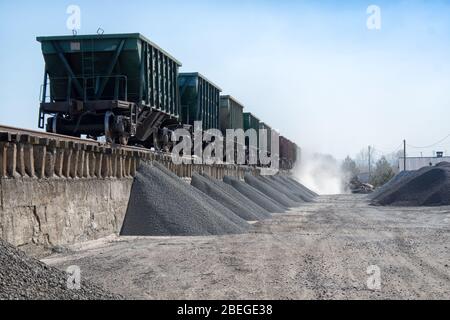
{"points": [[292, 182], [429, 186], [291, 193], [254, 195], [299, 189], [202, 196], [25, 278], [262, 212], [302, 192], [398, 178], [161, 204], [270, 191], [202, 184], [234, 201]]}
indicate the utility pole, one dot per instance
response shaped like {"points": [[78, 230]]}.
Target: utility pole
{"points": [[369, 165], [404, 155]]}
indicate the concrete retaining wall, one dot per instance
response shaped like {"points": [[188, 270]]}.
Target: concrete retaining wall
{"points": [[52, 212], [57, 191]]}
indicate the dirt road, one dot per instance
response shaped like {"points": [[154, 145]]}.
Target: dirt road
{"points": [[323, 250]]}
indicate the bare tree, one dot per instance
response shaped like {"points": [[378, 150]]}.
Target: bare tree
{"points": [[349, 168], [393, 159], [362, 159]]}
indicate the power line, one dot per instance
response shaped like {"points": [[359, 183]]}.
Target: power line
{"points": [[431, 145], [401, 146], [383, 151]]}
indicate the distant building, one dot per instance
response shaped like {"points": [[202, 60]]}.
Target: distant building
{"points": [[415, 163]]}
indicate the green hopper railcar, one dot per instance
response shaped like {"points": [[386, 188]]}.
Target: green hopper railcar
{"points": [[120, 86], [231, 114], [200, 99]]}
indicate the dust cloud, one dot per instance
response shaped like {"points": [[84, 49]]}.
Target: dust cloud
{"points": [[321, 173]]}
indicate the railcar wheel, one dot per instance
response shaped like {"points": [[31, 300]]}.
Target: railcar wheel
{"points": [[108, 131], [54, 120], [123, 140]]}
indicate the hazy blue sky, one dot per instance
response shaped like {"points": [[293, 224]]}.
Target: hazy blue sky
{"points": [[312, 69]]}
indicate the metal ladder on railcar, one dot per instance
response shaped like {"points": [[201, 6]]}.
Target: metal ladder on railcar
{"points": [[88, 69]]}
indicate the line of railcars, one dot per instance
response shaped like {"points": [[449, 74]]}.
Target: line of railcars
{"points": [[126, 88]]}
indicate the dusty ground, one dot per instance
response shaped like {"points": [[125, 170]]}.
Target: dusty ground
{"points": [[319, 251]]}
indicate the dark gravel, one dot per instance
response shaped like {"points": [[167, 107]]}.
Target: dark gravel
{"points": [[25, 278], [289, 192], [397, 179], [270, 191], [263, 213], [161, 204], [293, 182], [254, 195], [239, 207], [202, 196], [429, 186], [305, 195]]}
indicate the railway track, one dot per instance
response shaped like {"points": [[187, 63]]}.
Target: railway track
{"points": [[34, 153], [60, 137]]}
